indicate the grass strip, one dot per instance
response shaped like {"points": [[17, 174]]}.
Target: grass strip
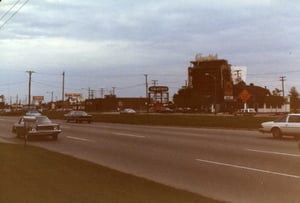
{"points": [[196, 120], [34, 175], [243, 122]]}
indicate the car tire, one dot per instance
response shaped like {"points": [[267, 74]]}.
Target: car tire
{"points": [[276, 132]]}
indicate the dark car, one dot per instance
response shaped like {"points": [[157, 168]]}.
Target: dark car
{"points": [[164, 110], [78, 116], [36, 126]]}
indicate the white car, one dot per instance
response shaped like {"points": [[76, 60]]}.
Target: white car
{"points": [[128, 111], [288, 125]]}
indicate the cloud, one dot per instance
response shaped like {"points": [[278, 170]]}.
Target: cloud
{"points": [[150, 36]]}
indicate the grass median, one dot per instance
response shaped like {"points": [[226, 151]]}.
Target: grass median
{"points": [[183, 120], [31, 174]]}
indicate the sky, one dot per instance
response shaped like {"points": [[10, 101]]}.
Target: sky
{"points": [[113, 44]]}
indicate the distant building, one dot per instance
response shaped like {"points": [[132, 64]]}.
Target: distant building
{"points": [[239, 73], [112, 103], [211, 80]]}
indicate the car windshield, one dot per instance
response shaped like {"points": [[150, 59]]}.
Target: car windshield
{"points": [[43, 120], [281, 119]]}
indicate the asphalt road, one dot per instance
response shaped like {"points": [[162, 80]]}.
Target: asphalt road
{"points": [[229, 165]]}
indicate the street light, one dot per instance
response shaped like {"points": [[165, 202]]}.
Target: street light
{"points": [[215, 90]]}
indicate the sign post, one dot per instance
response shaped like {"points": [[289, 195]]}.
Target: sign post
{"points": [[245, 96]]}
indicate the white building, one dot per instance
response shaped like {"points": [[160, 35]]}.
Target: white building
{"points": [[239, 73]]}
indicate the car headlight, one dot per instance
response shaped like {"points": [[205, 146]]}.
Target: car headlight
{"points": [[56, 128]]}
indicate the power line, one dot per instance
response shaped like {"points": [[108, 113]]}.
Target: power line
{"points": [[5, 22], [11, 84], [5, 14]]}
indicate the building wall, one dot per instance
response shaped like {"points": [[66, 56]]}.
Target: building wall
{"points": [[205, 76]]}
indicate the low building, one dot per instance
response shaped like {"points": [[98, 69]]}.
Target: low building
{"points": [[111, 103]]}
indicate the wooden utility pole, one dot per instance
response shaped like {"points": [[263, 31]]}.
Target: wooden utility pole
{"points": [[146, 78], [282, 79], [63, 87], [29, 87]]}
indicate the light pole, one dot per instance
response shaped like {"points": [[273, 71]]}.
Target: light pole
{"points": [[215, 90]]}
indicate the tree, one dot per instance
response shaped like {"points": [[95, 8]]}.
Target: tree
{"points": [[294, 96], [276, 92]]}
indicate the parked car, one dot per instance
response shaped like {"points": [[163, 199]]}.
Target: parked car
{"points": [[164, 110], [288, 125], [36, 126], [245, 112], [33, 112], [128, 111], [78, 116]]}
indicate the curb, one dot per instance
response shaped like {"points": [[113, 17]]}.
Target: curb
{"points": [[5, 141]]}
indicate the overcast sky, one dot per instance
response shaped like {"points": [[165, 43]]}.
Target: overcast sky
{"points": [[113, 43]]}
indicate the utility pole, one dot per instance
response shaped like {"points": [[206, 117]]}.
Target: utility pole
{"points": [[29, 87], [63, 87], [282, 79], [146, 78], [113, 92], [154, 82], [51, 96], [89, 93]]}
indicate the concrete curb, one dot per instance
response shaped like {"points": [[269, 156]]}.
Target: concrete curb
{"points": [[5, 141]]}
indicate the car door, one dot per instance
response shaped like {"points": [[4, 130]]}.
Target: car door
{"points": [[293, 125]]}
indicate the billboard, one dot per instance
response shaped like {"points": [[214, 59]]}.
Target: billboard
{"points": [[158, 89], [38, 98]]}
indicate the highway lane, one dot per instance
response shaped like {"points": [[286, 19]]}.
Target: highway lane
{"points": [[231, 165]]}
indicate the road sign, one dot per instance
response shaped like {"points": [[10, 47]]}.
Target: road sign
{"points": [[245, 96]]}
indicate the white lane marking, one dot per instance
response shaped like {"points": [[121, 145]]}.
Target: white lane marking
{"points": [[272, 152], [78, 138], [129, 135], [249, 169]]}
